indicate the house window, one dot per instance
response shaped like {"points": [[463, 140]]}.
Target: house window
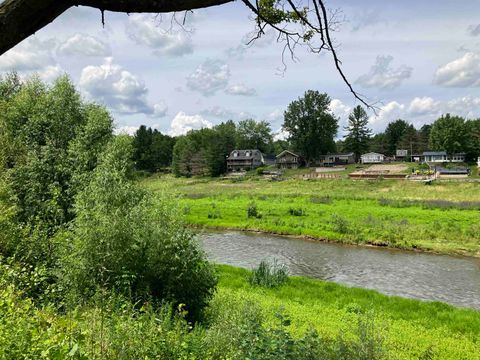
{"points": [[247, 154], [235, 154]]}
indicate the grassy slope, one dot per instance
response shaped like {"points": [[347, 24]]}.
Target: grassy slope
{"points": [[410, 327], [338, 210]]}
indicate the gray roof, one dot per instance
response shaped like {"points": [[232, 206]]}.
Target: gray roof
{"points": [[431, 153], [287, 151], [242, 154], [372, 153]]}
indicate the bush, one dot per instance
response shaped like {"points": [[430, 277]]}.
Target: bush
{"points": [[252, 211], [297, 212], [340, 224], [127, 240], [269, 275], [260, 170]]}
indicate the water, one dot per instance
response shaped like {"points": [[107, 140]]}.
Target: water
{"points": [[454, 280]]}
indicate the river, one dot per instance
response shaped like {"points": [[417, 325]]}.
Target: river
{"points": [[454, 280]]}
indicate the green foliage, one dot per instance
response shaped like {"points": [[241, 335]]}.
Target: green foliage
{"points": [[296, 212], [254, 135], [358, 135], [394, 133], [269, 274], [203, 152], [340, 224], [252, 211], [152, 149], [125, 239], [50, 142], [448, 133], [311, 125]]}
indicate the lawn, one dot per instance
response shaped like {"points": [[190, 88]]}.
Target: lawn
{"points": [[443, 217]]}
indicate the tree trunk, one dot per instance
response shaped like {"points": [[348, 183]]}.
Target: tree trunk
{"points": [[21, 18]]}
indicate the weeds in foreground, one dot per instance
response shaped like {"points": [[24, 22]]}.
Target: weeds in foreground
{"points": [[269, 274]]}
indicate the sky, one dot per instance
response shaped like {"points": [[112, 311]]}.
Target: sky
{"points": [[415, 59]]}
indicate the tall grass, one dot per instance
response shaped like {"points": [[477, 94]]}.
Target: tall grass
{"points": [[269, 274]]}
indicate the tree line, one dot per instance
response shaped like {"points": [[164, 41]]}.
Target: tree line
{"points": [[311, 129]]}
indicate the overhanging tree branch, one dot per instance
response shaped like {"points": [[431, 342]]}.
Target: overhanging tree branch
{"points": [[21, 18]]}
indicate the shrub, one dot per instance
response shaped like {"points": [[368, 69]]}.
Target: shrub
{"points": [[297, 212], [340, 224], [133, 242], [269, 275], [252, 211], [260, 170]]}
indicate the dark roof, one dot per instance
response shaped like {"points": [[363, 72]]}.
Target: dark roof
{"points": [[242, 154]]}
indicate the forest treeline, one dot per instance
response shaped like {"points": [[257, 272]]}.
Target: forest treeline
{"points": [[311, 130]]}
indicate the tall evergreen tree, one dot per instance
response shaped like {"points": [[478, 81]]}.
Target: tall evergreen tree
{"points": [[358, 135]]}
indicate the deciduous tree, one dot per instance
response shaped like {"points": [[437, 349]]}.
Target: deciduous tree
{"points": [[311, 125]]}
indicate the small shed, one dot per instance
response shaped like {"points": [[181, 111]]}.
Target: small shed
{"points": [[372, 158], [289, 160]]}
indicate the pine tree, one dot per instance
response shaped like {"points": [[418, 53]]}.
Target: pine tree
{"points": [[357, 139]]}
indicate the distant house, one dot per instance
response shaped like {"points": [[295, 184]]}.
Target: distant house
{"points": [[441, 156], [401, 155], [243, 160], [337, 159], [289, 160], [372, 158]]}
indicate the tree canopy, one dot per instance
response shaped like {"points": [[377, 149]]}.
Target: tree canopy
{"points": [[311, 125], [358, 133]]}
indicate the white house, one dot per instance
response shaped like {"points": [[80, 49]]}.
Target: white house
{"points": [[441, 156], [372, 158]]}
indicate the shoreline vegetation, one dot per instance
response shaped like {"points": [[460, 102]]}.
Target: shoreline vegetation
{"points": [[441, 218], [245, 320]]}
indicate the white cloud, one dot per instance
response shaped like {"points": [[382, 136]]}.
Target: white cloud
{"points": [[32, 55], [119, 89], [424, 110], [86, 45], [366, 18], [144, 31], [225, 114], [125, 130], [50, 73], [183, 123], [474, 30], [341, 111], [265, 40], [209, 77], [424, 106], [389, 112], [241, 90], [462, 72], [383, 76]]}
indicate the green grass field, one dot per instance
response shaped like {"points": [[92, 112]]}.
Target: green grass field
{"points": [[409, 327], [443, 217]]}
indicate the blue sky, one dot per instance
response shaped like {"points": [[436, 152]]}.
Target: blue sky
{"points": [[417, 59]]}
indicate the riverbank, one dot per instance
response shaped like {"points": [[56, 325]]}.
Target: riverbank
{"points": [[410, 329], [242, 320], [442, 218]]}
